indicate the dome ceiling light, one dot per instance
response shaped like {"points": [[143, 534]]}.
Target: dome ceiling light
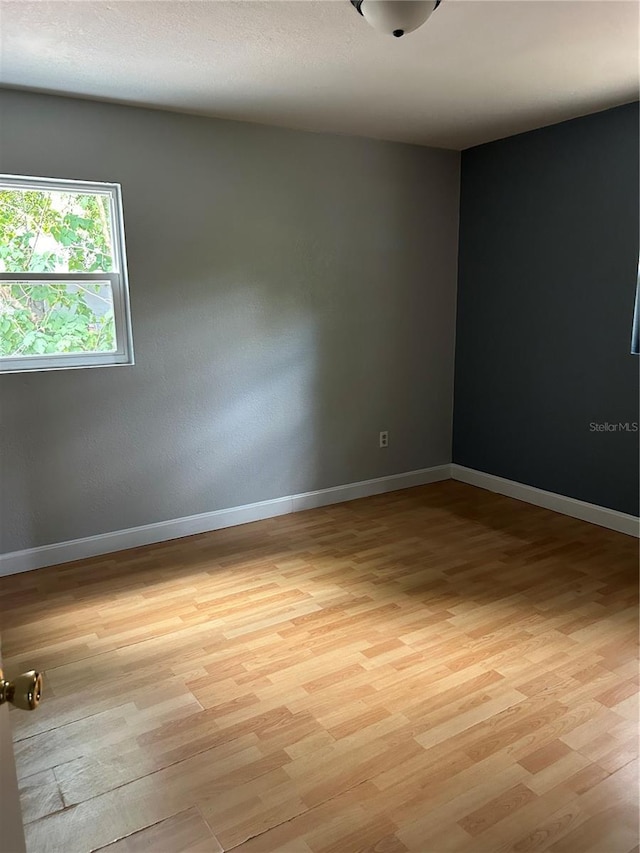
{"points": [[395, 17]]}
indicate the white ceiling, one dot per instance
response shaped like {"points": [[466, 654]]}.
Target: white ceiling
{"points": [[477, 70]]}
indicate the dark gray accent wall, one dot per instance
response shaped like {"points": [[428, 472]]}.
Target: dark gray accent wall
{"points": [[547, 275], [292, 295]]}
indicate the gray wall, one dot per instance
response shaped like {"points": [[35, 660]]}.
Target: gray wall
{"points": [[547, 276], [292, 294]]}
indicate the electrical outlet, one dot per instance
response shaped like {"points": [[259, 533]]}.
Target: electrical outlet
{"points": [[384, 439]]}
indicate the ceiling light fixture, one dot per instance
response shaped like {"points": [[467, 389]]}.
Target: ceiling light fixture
{"points": [[396, 17]]}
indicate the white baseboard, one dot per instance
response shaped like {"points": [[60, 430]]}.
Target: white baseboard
{"points": [[161, 531], [611, 518]]}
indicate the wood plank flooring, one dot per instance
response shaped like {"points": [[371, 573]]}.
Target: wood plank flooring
{"points": [[440, 669]]}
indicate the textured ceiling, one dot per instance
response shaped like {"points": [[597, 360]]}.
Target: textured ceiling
{"points": [[478, 69]]}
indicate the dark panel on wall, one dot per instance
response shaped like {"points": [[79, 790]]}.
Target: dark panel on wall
{"points": [[548, 262]]}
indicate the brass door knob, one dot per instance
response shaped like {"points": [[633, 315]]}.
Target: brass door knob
{"points": [[24, 691]]}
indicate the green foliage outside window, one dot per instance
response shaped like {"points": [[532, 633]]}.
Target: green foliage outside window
{"points": [[50, 231]]}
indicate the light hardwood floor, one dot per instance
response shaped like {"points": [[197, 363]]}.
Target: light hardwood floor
{"points": [[439, 669]]}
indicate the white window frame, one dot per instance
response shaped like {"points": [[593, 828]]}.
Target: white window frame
{"points": [[118, 279]]}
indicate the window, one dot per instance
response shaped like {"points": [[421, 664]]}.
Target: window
{"points": [[64, 299], [635, 331]]}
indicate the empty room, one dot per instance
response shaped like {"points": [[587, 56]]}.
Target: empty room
{"points": [[319, 426]]}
